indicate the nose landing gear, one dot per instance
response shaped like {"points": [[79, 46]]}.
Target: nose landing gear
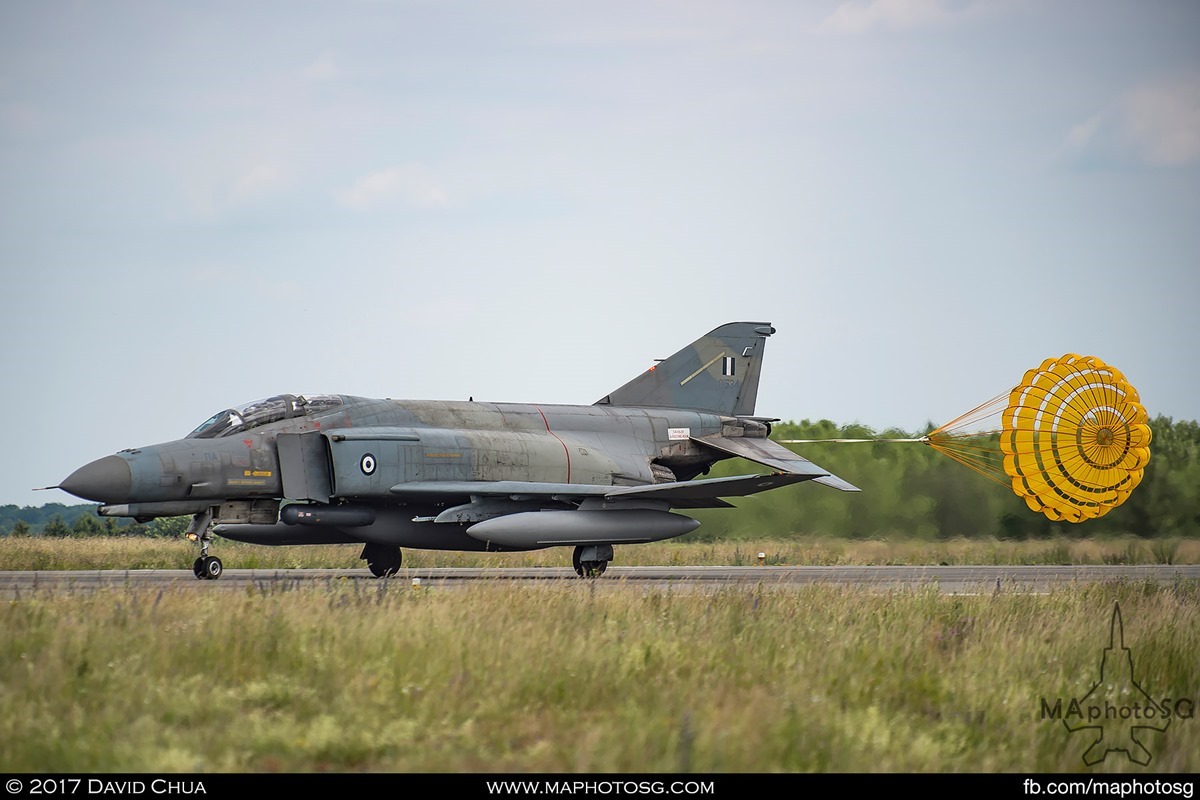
{"points": [[206, 567]]}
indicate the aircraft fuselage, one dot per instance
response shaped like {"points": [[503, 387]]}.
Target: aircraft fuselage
{"points": [[318, 469], [356, 452]]}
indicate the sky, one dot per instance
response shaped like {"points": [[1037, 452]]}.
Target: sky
{"points": [[206, 203]]}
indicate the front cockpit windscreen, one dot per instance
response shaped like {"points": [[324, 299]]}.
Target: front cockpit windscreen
{"points": [[260, 412]]}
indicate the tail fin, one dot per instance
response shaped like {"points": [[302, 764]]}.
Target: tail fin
{"points": [[717, 373]]}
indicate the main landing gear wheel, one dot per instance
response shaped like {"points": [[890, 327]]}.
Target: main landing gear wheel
{"points": [[381, 559], [590, 561]]}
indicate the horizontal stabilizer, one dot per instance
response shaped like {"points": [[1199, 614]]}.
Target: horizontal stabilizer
{"points": [[834, 482], [774, 455]]}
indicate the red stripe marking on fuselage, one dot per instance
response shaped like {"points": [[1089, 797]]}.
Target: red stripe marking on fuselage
{"points": [[566, 450]]}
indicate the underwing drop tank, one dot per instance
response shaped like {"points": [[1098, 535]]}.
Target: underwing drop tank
{"points": [[530, 529]]}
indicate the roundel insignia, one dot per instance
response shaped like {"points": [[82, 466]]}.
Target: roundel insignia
{"points": [[367, 464]]}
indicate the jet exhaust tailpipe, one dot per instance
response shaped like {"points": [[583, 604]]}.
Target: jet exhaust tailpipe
{"points": [[530, 529]]}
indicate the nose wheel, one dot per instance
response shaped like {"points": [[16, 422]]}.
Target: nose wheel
{"points": [[206, 567]]}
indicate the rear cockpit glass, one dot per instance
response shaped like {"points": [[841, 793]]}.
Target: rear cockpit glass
{"points": [[260, 412]]}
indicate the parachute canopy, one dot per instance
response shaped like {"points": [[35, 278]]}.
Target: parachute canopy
{"points": [[1072, 440]]}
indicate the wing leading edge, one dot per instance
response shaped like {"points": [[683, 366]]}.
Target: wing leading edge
{"points": [[680, 494], [705, 493]]}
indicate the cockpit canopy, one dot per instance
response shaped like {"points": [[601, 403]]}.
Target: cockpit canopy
{"points": [[260, 412]]}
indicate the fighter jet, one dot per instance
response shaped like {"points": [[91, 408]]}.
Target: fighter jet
{"points": [[466, 475]]}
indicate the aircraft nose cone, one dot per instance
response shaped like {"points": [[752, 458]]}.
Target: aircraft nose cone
{"points": [[106, 480]]}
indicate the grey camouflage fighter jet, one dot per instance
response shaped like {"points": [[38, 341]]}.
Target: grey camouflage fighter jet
{"points": [[455, 475]]}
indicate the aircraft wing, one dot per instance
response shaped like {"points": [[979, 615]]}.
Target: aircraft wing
{"points": [[680, 492], [774, 455], [706, 493]]}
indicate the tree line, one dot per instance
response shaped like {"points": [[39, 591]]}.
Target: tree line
{"points": [[908, 491], [81, 520], [912, 490]]}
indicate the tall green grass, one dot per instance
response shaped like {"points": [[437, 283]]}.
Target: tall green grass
{"points": [[39, 553], [577, 677]]}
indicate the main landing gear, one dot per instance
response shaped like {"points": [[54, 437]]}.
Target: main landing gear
{"points": [[591, 560], [381, 559], [206, 567]]}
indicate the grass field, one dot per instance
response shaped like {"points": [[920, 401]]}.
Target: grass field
{"points": [[562, 677], [565, 678], [147, 553]]}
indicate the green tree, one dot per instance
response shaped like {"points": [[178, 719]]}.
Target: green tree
{"points": [[20, 528], [56, 528], [173, 527], [86, 526], [1167, 501]]}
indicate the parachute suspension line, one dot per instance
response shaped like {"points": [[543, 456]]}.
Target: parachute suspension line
{"points": [[851, 441], [971, 439], [983, 458], [980, 420]]}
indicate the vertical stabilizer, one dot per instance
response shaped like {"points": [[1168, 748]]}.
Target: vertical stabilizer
{"points": [[717, 373]]}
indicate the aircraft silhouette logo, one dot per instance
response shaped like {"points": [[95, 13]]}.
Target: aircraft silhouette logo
{"points": [[1117, 711]]}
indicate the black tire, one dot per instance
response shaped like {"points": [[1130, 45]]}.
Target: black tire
{"points": [[198, 568], [380, 570], [587, 569], [383, 561], [213, 568]]}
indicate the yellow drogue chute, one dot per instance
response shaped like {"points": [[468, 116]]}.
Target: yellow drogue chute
{"points": [[1073, 438]]}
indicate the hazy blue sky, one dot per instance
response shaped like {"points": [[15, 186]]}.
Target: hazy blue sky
{"points": [[204, 203]]}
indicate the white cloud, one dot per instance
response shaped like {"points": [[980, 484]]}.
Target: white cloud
{"points": [[1154, 125], [412, 184]]}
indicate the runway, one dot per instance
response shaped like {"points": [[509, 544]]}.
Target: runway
{"points": [[948, 579]]}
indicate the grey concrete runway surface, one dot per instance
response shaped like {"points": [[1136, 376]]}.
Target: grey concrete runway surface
{"points": [[950, 579]]}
